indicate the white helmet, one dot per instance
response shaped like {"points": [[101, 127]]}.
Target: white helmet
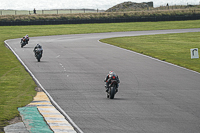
{"points": [[111, 73]]}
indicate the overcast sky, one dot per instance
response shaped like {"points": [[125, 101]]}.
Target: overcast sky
{"points": [[79, 4]]}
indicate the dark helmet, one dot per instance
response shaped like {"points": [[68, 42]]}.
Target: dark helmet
{"points": [[38, 46]]}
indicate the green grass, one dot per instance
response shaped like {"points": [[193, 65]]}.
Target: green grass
{"points": [[45, 30], [16, 85], [173, 48]]}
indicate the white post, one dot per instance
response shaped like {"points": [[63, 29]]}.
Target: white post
{"points": [[194, 53]]}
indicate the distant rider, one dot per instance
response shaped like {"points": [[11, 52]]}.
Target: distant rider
{"points": [[25, 39], [39, 47], [111, 76]]}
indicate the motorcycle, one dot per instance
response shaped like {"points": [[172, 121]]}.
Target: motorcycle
{"points": [[112, 89], [38, 54], [24, 41]]}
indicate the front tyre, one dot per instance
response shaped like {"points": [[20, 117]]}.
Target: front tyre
{"points": [[112, 92], [22, 45], [38, 57]]}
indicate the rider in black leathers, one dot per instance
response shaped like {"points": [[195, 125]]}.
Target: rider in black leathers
{"points": [[38, 46], [109, 77]]}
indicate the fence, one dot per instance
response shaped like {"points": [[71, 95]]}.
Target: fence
{"points": [[171, 7], [56, 11]]}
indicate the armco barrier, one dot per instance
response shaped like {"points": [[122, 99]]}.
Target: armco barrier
{"points": [[101, 20]]}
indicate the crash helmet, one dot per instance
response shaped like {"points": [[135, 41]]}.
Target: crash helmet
{"points": [[111, 73], [38, 45]]}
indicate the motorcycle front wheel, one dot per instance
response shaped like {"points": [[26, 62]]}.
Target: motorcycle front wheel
{"points": [[22, 45], [38, 57], [112, 92]]}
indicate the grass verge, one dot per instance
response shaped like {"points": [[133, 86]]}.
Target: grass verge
{"points": [[173, 48], [16, 85]]}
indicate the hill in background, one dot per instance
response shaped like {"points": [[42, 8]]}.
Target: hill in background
{"points": [[129, 6]]}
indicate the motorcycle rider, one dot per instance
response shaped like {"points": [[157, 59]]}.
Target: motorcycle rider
{"points": [[111, 76], [25, 39], [38, 46]]}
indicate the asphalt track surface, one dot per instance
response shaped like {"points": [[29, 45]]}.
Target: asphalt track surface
{"points": [[154, 96]]}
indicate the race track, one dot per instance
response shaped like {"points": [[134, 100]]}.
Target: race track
{"points": [[153, 97]]}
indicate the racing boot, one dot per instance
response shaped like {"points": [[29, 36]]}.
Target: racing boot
{"points": [[116, 90], [106, 88]]}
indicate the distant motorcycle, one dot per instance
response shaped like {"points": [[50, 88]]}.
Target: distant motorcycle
{"points": [[38, 54], [24, 41], [112, 89]]}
